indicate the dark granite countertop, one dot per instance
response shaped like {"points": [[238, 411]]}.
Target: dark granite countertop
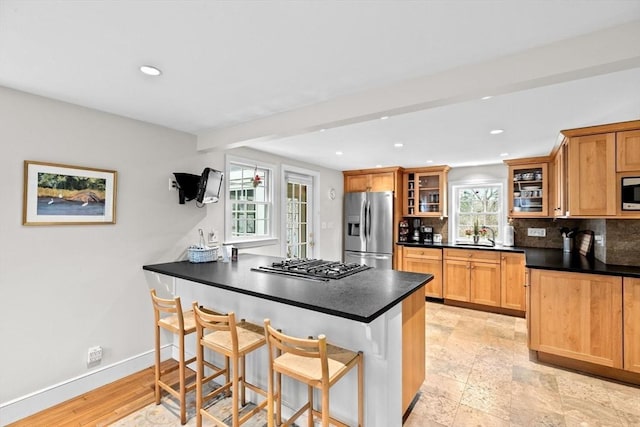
{"points": [[361, 297], [548, 259]]}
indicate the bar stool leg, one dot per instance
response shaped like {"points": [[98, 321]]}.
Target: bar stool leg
{"points": [[310, 398], [157, 388], [325, 405], [234, 393], [243, 400], [279, 398], [199, 378], [183, 403]]}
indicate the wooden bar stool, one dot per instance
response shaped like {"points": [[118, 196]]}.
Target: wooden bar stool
{"points": [[234, 340], [169, 316], [315, 363]]}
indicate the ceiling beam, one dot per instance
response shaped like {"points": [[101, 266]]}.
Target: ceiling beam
{"points": [[601, 52]]}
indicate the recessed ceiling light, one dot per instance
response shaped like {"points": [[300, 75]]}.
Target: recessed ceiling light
{"points": [[150, 70], [384, 117], [322, 130], [429, 161], [496, 131], [338, 153], [398, 145], [484, 98], [504, 154], [378, 166]]}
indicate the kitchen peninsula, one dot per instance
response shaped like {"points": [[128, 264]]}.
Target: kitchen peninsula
{"points": [[380, 312]]}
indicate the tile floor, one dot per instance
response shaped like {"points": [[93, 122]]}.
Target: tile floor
{"points": [[479, 372]]}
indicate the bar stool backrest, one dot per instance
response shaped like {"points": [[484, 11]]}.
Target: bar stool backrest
{"points": [[210, 320], [167, 307], [305, 347]]}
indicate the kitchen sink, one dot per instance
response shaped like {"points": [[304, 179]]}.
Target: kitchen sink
{"points": [[476, 245]]}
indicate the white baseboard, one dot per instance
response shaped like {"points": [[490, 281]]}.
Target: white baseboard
{"points": [[39, 400]]}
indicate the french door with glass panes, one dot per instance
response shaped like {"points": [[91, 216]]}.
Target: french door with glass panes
{"points": [[299, 216]]}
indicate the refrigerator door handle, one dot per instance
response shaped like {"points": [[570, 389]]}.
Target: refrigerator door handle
{"points": [[363, 215], [368, 223]]}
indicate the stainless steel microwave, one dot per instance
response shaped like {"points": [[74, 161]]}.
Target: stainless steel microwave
{"points": [[631, 193]]}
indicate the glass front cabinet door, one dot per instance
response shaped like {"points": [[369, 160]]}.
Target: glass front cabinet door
{"points": [[528, 189], [426, 191]]}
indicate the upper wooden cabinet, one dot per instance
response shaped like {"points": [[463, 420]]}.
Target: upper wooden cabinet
{"points": [[558, 186], [628, 151], [371, 180], [591, 165], [425, 191], [528, 191]]}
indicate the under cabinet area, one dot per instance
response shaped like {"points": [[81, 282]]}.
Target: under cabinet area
{"points": [[577, 316], [472, 276], [425, 260]]}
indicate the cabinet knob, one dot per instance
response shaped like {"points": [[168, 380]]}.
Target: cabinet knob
{"points": [[422, 253]]}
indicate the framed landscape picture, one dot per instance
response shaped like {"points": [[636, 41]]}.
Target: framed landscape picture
{"points": [[56, 194]]}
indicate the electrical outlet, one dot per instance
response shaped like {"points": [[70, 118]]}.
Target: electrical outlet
{"points": [[94, 355], [172, 184], [536, 232], [599, 240]]}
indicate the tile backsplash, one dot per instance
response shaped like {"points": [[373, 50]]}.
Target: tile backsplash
{"points": [[620, 237]]}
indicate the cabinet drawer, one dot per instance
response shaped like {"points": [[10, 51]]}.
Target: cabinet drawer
{"points": [[472, 255], [423, 253]]}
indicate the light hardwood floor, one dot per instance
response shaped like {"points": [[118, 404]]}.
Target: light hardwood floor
{"points": [[103, 405]]}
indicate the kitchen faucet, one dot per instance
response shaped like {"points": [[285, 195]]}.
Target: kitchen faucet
{"points": [[493, 235]]}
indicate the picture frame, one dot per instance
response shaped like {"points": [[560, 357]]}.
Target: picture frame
{"points": [[58, 194]]}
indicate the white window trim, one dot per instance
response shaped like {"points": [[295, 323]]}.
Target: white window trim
{"points": [[502, 220], [249, 242], [315, 208]]}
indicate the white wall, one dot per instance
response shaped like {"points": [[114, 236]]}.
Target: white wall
{"points": [[330, 211], [67, 288]]}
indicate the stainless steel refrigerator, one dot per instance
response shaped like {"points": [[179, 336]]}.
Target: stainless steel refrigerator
{"points": [[368, 228]]}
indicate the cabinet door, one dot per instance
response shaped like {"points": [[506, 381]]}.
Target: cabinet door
{"points": [[592, 175], [382, 181], [484, 285], [456, 279], [631, 325], [577, 315], [559, 202], [356, 183], [628, 151], [529, 192], [512, 290], [431, 266]]}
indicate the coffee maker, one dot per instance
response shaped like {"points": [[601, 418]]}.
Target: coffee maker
{"points": [[415, 235], [426, 234]]}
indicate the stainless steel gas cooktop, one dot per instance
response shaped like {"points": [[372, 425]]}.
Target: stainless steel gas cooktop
{"points": [[314, 269]]}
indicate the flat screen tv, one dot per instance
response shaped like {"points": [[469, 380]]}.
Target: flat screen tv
{"points": [[204, 188]]}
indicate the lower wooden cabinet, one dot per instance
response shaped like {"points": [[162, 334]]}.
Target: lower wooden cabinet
{"points": [[425, 260], [472, 276], [631, 326], [413, 347], [512, 283], [577, 316]]}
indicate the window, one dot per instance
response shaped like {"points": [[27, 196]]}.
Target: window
{"points": [[479, 204], [249, 201]]}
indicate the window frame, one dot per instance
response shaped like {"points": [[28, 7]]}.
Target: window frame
{"points": [[272, 206], [455, 212]]}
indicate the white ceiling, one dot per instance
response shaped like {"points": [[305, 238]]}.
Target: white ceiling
{"points": [[270, 74]]}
